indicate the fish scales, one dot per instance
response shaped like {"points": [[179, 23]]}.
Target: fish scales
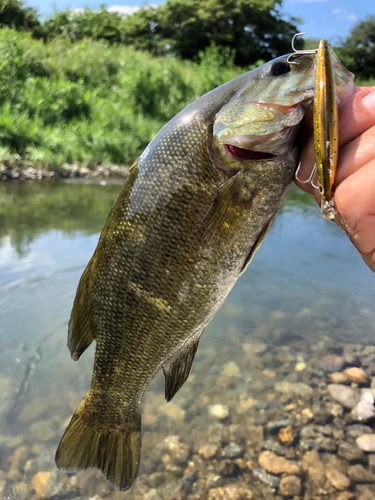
{"points": [[184, 227]]}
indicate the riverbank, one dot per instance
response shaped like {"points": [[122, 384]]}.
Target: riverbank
{"points": [[74, 171]]}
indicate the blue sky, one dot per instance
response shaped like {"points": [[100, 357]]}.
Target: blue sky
{"points": [[328, 19]]}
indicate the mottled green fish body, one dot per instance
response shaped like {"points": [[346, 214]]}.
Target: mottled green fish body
{"points": [[195, 208]]}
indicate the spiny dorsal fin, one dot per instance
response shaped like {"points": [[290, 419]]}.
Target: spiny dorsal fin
{"points": [[80, 334], [176, 372]]}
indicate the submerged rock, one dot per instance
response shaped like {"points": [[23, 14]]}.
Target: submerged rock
{"points": [[366, 442], [290, 486], [270, 462], [337, 479], [346, 396]]}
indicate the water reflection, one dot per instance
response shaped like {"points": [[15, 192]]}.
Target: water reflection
{"points": [[306, 290]]}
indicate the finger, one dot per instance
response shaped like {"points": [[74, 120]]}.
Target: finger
{"points": [[355, 155], [355, 203], [356, 114]]}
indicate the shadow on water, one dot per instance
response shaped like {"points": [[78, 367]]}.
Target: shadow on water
{"points": [[307, 293]]}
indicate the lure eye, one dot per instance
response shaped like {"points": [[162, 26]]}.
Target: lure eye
{"points": [[279, 68]]}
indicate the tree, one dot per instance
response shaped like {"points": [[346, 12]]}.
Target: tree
{"points": [[254, 29], [357, 52], [15, 15], [76, 25]]}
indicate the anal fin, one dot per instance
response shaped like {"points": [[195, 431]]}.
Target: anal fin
{"points": [[80, 334], [177, 371]]}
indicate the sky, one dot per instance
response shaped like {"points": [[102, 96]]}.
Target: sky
{"points": [[329, 19]]}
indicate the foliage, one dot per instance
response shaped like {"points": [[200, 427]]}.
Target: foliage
{"points": [[14, 14], [90, 103], [79, 24], [357, 52], [252, 29]]}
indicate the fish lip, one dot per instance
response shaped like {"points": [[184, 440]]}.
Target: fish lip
{"points": [[247, 154]]}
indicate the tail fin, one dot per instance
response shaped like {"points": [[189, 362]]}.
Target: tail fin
{"points": [[116, 453]]}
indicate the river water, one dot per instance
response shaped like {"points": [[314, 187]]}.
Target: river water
{"points": [[306, 293]]}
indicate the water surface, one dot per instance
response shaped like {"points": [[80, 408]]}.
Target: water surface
{"points": [[307, 288]]}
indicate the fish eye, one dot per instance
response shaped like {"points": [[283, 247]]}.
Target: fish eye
{"points": [[279, 68]]}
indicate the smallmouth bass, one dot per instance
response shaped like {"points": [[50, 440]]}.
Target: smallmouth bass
{"points": [[196, 207]]}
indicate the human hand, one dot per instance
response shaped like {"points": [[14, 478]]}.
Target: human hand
{"points": [[354, 196]]}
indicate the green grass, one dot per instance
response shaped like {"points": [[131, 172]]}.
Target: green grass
{"points": [[91, 103]]}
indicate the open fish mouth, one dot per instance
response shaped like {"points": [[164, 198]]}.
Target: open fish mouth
{"points": [[248, 154]]}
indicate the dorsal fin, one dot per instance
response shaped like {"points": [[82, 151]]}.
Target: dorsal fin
{"points": [[176, 372], [80, 334]]}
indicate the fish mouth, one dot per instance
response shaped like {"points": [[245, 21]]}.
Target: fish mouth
{"points": [[247, 154]]}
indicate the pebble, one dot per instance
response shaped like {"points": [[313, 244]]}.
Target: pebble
{"points": [[332, 363], [297, 388], [357, 375], [290, 486], [300, 367], [366, 442], [232, 450], [367, 495], [337, 479], [266, 478], [286, 435], [219, 411], [346, 396], [172, 411], [208, 451], [229, 493], [350, 452], [273, 464], [231, 369], [358, 474], [371, 463], [364, 411], [338, 377], [357, 430]]}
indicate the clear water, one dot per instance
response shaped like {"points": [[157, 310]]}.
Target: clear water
{"points": [[307, 287]]}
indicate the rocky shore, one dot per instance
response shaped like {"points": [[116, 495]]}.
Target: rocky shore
{"points": [[15, 172], [279, 422]]}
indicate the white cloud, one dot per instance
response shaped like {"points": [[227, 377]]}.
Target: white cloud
{"points": [[343, 15], [123, 9]]}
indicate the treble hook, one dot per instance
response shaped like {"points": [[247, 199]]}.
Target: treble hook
{"points": [[309, 181], [297, 52]]}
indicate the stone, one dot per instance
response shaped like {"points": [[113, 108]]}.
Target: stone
{"points": [[334, 409], [350, 452], [296, 388], [208, 451], [268, 479], [312, 464], [345, 495], [228, 468], [231, 369], [232, 450], [357, 375], [229, 493], [286, 435], [357, 430], [332, 363], [338, 377], [173, 411], [366, 442], [367, 495], [290, 486], [358, 474], [371, 463], [50, 483], [364, 411], [219, 411], [337, 479], [346, 396], [273, 464]]}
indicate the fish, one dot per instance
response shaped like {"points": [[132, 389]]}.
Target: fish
{"points": [[325, 127], [194, 210]]}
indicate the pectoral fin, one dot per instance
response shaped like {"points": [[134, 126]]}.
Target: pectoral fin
{"points": [[80, 334], [177, 371], [226, 208]]}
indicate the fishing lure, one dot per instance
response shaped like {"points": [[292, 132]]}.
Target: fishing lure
{"points": [[325, 124]]}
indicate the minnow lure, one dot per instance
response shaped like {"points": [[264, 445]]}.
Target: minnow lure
{"points": [[325, 128], [325, 125]]}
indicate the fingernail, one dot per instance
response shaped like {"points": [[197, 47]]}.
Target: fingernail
{"points": [[369, 101]]}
